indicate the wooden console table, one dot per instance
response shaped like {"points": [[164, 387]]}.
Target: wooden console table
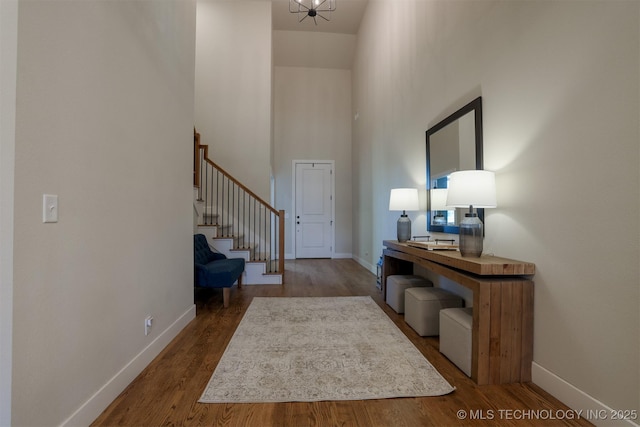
{"points": [[502, 333]]}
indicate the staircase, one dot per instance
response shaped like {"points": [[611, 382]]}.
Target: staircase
{"points": [[237, 222]]}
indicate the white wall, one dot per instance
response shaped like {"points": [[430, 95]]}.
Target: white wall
{"points": [[233, 88], [313, 49], [312, 121], [560, 86], [8, 65], [105, 121]]}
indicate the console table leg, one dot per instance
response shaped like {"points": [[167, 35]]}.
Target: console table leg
{"points": [[481, 336]]}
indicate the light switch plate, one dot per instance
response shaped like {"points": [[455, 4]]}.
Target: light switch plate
{"points": [[49, 208]]}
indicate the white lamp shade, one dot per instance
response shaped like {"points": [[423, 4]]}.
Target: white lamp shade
{"points": [[438, 199], [404, 199], [475, 188]]}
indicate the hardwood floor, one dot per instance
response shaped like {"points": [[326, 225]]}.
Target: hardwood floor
{"points": [[167, 391]]}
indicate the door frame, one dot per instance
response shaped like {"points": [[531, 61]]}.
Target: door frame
{"points": [[8, 84], [294, 239]]}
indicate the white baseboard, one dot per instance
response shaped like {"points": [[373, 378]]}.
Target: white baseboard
{"points": [[341, 256], [372, 268], [97, 403], [588, 407]]}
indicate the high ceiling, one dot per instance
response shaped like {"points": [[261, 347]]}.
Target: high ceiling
{"points": [[345, 19], [329, 44]]}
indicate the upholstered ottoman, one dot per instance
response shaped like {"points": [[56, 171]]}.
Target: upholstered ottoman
{"points": [[455, 336], [422, 308], [397, 284]]}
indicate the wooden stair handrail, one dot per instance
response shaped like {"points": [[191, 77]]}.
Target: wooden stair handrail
{"points": [[196, 181], [235, 181]]}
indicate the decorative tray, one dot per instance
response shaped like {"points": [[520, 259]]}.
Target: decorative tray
{"points": [[433, 246]]}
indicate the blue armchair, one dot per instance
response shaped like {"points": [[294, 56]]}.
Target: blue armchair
{"points": [[215, 270]]}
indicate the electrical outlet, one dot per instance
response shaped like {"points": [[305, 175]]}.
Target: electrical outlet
{"points": [[148, 322]]}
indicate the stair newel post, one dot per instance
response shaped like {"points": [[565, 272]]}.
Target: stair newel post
{"points": [[274, 239], [200, 175], [232, 215], [197, 163], [206, 188], [236, 214], [246, 222], [240, 220], [203, 192], [230, 204], [216, 197], [259, 229], [281, 243], [222, 200]]}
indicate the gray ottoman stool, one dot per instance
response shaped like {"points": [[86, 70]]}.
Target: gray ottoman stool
{"points": [[455, 336], [397, 284], [422, 308]]}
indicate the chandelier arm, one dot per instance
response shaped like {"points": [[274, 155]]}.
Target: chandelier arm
{"points": [[329, 7], [312, 10], [299, 6]]}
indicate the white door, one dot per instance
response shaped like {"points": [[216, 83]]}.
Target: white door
{"points": [[314, 210]]}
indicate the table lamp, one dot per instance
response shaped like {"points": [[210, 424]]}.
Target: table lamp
{"points": [[472, 188], [404, 199]]}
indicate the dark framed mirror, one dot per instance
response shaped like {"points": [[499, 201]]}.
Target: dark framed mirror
{"points": [[453, 144]]}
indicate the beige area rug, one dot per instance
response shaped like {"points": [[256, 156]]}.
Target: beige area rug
{"points": [[314, 349]]}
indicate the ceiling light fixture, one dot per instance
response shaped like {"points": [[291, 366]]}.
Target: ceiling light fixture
{"points": [[312, 8]]}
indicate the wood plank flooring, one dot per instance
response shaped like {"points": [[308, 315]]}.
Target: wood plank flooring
{"points": [[166, 393]]}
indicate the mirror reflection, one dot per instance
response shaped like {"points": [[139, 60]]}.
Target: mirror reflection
{"points": [[453, 144]]}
